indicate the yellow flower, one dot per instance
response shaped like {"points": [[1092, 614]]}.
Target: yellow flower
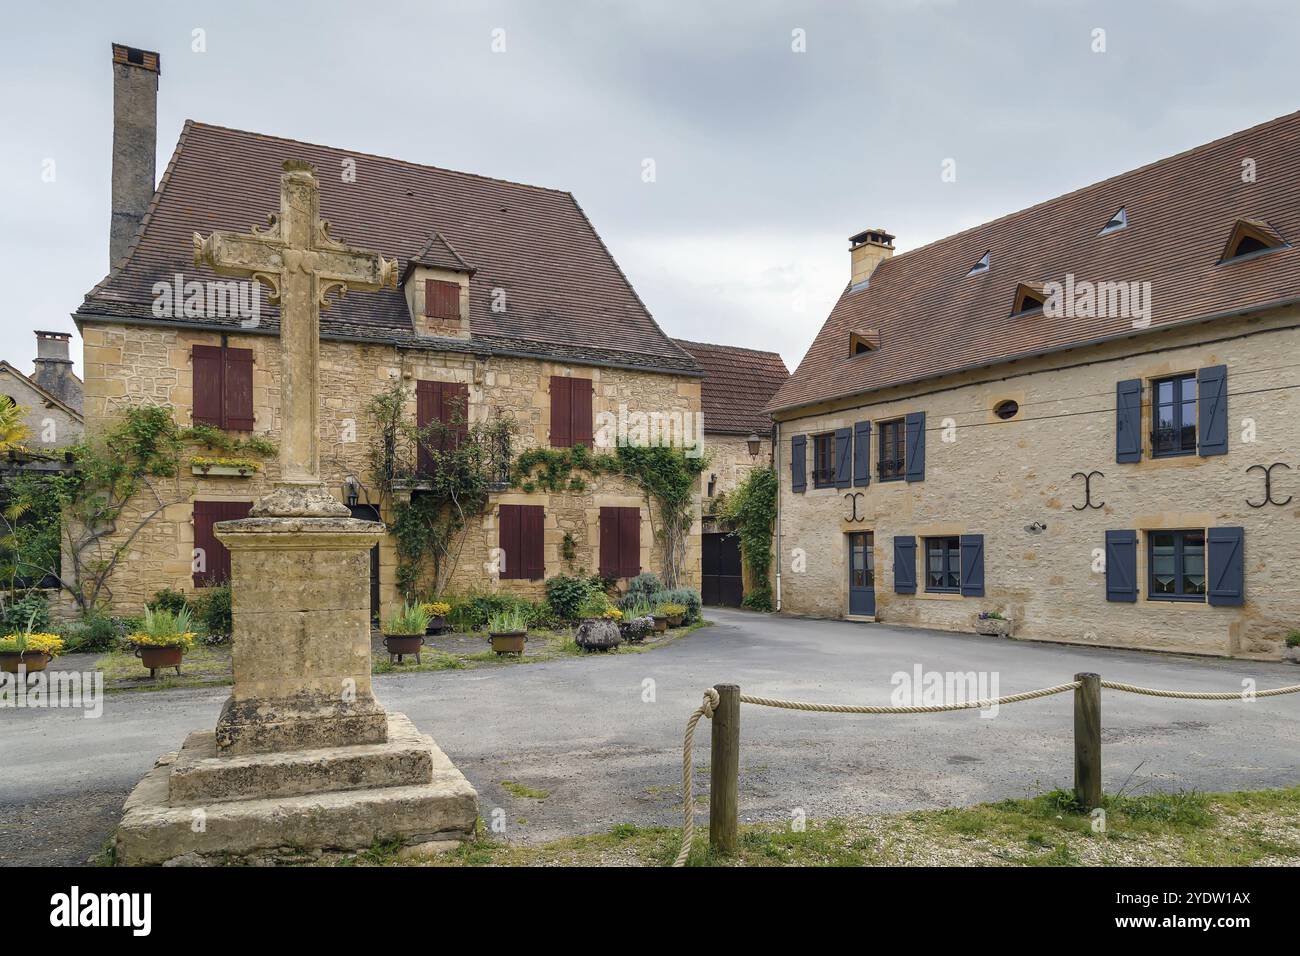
{"points": [[42, 643], [437, 609], [142, 639], [613, 614]]}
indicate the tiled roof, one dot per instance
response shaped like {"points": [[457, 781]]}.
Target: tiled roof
{"points": [[439, 253], [933, 319], [737, 384], [564, 293]]}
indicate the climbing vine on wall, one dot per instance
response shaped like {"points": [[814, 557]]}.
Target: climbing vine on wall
{"points": [[751, 510], [665, 475]]}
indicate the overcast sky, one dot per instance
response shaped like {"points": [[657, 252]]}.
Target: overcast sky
{"points": [[765, 158]]}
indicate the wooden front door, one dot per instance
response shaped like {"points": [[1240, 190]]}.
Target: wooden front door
{"points": [[720, 567], [862, 574]]}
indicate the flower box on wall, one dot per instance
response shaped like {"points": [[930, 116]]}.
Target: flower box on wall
{"points": [[213, 468], [993, 626]]}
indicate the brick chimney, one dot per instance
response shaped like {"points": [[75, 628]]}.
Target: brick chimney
{"points": [[867, 250], [54, 368], [135, 140]]}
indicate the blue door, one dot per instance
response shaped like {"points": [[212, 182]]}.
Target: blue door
{"points": [[862, 574]]}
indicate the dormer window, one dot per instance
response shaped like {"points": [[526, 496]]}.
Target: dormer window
{"points": [[1251, 237], [981, 266], [860, 343], [1117, 222], [1029, 299], [442, 299]]}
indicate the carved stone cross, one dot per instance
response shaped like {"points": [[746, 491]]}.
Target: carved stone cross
{"points": [[301, 265]]}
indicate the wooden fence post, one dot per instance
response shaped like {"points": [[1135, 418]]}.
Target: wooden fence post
{"points": [[1087, 741], [724, 769]]}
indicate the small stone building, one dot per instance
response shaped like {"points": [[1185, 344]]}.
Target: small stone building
{"points": [[51, 396], [1082, 416], [738, 382], [509, 304]]}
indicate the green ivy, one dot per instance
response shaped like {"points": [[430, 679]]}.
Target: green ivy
{"points": [[751, 510]]}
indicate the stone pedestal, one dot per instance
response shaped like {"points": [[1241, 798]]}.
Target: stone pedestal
{"points": [[303, 757]]}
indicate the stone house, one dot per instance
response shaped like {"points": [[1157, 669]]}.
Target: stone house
{"points": [[509, 304], [738, 382], [1082, 416], [51, 396]]}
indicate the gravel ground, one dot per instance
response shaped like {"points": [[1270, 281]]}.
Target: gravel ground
{"points": [[601, 736]]}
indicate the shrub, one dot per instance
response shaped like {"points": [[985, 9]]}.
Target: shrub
{"points": [[410, 621], [595, 606], [212, 613], [1293, 639], [646, 585], [30, 608], [566, 595], [169, 600], [686, 596], [96, 633], [471, 611]]}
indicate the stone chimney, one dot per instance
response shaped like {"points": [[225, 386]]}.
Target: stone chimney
{"points": [[54, 368], [867, 250], [135, 141]]}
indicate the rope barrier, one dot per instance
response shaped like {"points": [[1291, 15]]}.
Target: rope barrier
{"points": [[711, 699]]}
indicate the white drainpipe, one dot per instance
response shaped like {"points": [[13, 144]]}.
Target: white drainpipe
{"points": [[776, 464]]}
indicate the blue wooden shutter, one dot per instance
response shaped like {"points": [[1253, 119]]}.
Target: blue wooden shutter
{"points": [[904, 564], [1212, 410], [1225, 564], [799, 462], [972, 565], [915, 454], [862, 454], [1121, 566], [1128, 420], [843, 457]]}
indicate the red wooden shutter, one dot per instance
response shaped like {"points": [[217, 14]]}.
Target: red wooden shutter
{"points": [[561, 412], [207, 391], [441, 299], [216, 563], [580, 411], [237, 389], [508, 529], [610, 554], [533, 542], [629, 541], [428, 406]]}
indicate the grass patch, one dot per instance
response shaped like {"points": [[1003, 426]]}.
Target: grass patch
{"points": [[202, 666], [519, 790], [1248, 828]]}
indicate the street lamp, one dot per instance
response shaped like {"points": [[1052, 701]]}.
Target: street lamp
{"points": [[351, 490], [755, 444]]}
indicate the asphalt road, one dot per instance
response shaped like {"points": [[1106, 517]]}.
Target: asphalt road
{"points": [[606, 745]]}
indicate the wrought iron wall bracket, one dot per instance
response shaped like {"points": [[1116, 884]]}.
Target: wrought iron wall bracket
{"points": [[855, 497], [1268, 485], [1087, 490]]}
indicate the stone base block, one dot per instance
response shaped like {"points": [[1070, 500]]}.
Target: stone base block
{"points": [[200, 775], [304, 722], [156, 828]]}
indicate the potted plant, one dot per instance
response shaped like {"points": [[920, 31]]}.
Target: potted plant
{"points": [[32, 652], [673, 612], [660, 619], [163, 638], [992, 624], [437, 611], [1293, 647], [404, 631], [508, 630], [637, 623]]}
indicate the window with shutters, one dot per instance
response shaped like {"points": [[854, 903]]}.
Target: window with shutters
{"points": [[571, 416], [891, 462], [441, 415], [222, 387], [521, 530], [1173, 416], [1176, 565], [211, 560], [620, 542], [441, 299], [943, 564], [824, 460]]}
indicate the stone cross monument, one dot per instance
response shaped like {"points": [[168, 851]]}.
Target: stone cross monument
{"points": [[303, 754]]}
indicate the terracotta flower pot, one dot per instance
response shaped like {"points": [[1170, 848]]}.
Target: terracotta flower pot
{"points": [[400, 645], [674, 620], [661, 623], [156, 658], [32, 660], [509, 642]]}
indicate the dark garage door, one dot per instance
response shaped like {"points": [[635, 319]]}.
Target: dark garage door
{"points": [[721, 570]]}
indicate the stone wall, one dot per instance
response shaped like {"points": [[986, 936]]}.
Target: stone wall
{"points": [[126, 364], [48, 424], [999, 478], [730, 460]]}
